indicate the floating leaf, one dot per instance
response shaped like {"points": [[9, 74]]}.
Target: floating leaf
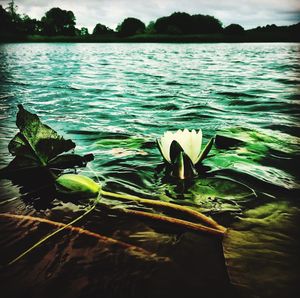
{"points": [[212, 194]]}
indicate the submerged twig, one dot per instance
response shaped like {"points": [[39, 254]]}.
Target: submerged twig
{"points": [[111, 241], [175, 221], [169, 205]]}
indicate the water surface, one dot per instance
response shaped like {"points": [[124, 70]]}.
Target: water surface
{"points": [[115, 100]]}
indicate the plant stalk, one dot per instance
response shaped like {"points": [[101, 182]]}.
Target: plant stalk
{"points": [[169, 205], [174, 221]]}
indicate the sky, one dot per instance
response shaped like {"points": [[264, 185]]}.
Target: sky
{"points": [[248, 13]]}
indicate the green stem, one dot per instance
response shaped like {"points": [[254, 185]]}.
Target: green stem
{"points": [[169, 205], [175, 221]]}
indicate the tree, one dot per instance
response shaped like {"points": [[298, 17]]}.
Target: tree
{"points": [[183, 23], [101, 30], [12, 10], [150, 28], [84, 31], [176, 23], [131, 26], [58, 22], [6, 25], [205, 24], [234, 29], [30, 26]]}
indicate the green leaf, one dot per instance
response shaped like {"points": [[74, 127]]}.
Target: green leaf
{"points": [[38, 145], [77, 185], [37, 140], [206, 150]]}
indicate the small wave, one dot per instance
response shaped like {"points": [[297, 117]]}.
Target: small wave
{"points": [[237, 94], [242, 102]]}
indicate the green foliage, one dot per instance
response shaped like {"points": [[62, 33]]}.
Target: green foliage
{"points": [[58, 22], [58, 25], [131, 26], [84, 31], [234, 29], [12, 11], [183, 23], [101, 30], [12, 23], [6, 24], [37, 145], [150, 28]]}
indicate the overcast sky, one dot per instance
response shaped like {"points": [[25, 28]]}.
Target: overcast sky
{"points": [[248, 13]]}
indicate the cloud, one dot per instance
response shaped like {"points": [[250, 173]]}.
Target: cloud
{"points": [[248, 13]]}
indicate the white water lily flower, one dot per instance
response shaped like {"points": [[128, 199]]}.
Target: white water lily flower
{"points": [[190, 141]]}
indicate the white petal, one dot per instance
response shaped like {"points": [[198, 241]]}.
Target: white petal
{"points": [[198, 145], [184, 139], [166, 141], [194, 146], [161, 149], [190, 141]]}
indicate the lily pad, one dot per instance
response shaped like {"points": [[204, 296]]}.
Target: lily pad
{"points": [[212, 194], [121, 145], [121, 141]]}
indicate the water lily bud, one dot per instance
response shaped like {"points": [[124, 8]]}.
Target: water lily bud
{"points": [[77, 184]]}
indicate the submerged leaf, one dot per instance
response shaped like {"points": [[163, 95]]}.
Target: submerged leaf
{"points": [[77, 184], [262, 251]]}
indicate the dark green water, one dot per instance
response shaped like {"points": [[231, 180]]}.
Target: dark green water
{"points": [[114, 100]]}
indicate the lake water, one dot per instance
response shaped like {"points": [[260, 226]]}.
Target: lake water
{"points": [[115, 100]]}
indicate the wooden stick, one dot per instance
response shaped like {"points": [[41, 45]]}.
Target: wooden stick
{"points": [[175, 221], [169, 205], [110, 241]]}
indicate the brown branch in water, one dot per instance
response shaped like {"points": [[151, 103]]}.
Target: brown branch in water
{"points": [[169, 205], [135, 250], [174, 221]]}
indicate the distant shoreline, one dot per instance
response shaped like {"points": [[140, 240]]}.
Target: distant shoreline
{"points": [[160, 38]]}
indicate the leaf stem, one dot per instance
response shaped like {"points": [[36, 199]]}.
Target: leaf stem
{"points": [[169, 205], [175, 221]]}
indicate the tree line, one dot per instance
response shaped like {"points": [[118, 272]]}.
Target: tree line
{"points": [[59, 22]]}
